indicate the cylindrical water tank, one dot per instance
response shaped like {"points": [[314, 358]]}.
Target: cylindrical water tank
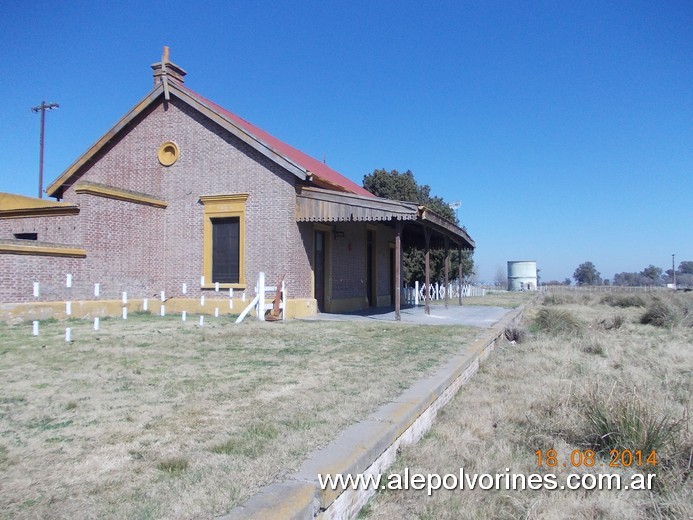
{"points": [[522, 275]]}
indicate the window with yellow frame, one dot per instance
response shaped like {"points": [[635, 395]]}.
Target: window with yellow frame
{"points": [[224, 240]]}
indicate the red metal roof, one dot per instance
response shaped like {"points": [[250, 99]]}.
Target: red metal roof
{"points": [[322, 173]]}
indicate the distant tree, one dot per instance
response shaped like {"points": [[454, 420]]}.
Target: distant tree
{"points": [[403, 186], [629, 279], [652, 275], [587, 274], [684, 274], [501, 278], [685, 267], [567, 281], [684, 280]]}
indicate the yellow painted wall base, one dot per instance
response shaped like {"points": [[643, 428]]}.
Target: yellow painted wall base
{"points": [[21, 312]]}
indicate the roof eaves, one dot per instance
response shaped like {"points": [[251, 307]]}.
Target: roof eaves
{"points": [[442, 222]]}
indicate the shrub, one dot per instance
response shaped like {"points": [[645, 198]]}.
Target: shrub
{"points": [[593, 346], [623, 300], [660, 314], [624, 422], [558, 298], [614, 323], [557, 322]]}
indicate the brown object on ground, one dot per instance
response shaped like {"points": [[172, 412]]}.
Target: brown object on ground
{"points": [[274, 313]]}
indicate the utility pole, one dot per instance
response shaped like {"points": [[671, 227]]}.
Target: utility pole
{"points": [[42, 108], [673, 270]]}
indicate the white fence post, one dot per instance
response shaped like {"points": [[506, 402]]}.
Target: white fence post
{"points": [[261, 294]]}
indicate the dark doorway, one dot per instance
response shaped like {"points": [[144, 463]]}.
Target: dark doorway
{"points": [[370, 268], [319, 264]]}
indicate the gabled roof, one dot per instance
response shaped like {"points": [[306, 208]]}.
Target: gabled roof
{"points": [[295, 161], [318, 170]]}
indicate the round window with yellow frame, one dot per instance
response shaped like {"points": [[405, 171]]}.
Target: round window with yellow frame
{"points": [[168, 153]]}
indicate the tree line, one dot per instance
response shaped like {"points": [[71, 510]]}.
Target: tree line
{"points": [[653, 276], [403, 186]]}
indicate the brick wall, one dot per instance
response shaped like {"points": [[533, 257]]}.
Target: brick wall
{"points": [[61, 230], [142, 249]]}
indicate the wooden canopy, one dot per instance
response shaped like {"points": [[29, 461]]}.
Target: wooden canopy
{"points": [[423, 227]]}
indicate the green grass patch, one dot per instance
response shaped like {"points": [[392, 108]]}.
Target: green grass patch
{"points": [[173, 465], [250, 443]]}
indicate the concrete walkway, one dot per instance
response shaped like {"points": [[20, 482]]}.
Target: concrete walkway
{"points": [[474, 316]]}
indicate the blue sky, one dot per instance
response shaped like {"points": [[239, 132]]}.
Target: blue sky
{"points": [[565, 128]]}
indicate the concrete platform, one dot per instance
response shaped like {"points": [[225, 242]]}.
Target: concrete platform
{"points": [[370, 446], [471, 315]]}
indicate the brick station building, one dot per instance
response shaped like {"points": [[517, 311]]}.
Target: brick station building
{"points": [[182, 191]]}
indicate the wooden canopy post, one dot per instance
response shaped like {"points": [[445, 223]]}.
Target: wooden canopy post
{"points": [[398, 269], [447, 268], [427, 235], [459, 275]]}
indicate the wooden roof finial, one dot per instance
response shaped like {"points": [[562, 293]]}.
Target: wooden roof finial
{"points": [[165, 55]]}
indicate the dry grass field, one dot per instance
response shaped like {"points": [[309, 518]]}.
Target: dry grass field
{"points": [[509, 300], [587, 372], [500, 299], [156, 418]]}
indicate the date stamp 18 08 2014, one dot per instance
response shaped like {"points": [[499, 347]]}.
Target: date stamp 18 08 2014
{"points": [[588, 459]]}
